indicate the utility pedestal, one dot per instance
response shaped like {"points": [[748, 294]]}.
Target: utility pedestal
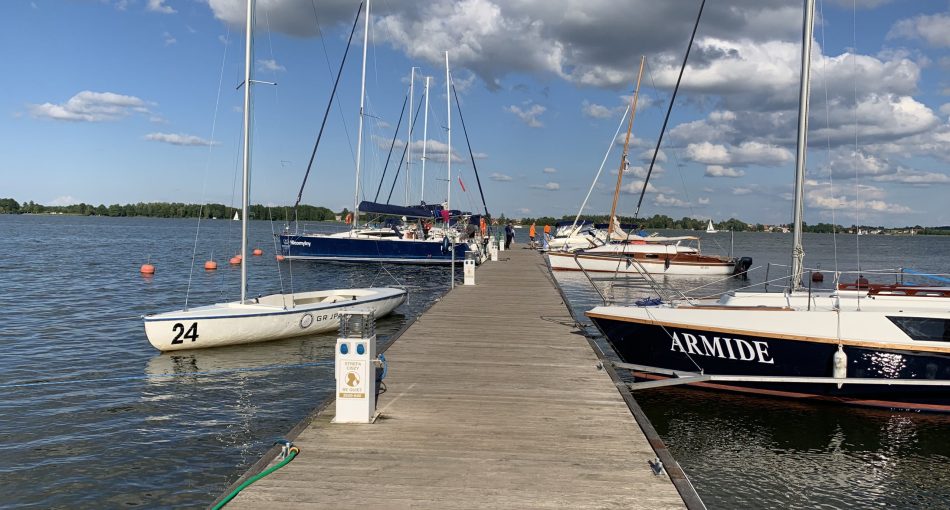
{"points": [[501, 243], [355, 368], [469, 268]]}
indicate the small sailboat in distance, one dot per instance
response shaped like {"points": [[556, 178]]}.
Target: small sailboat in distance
{"points": [[710, 229], [237, 216], [266, 317]]}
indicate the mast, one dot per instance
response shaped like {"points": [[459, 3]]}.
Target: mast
{"points": [[359, 138], [412, 95], [798, 253], [425, 138], [448, 128], [623, 158], [247, 147]]}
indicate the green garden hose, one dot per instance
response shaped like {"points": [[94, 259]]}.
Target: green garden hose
{"points": [[292, 452]]}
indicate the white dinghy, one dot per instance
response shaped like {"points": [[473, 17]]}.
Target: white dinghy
{"points": [[267, 317]]}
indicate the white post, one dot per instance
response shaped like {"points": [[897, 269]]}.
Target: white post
{"points": [[355, 368], [468, 269], [359, 138], [425, 138]]}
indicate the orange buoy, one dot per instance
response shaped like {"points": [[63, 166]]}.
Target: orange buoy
{"points": [[349, 218], [211, 265], [235, 260], [257, 252], [280, 258], [147, 269]]}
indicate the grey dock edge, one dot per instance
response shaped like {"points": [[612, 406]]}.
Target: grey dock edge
{"points": [[679, 480], [673, 469]]}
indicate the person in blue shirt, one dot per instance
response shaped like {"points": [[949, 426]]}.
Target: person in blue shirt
{"points": [[509, 235]]}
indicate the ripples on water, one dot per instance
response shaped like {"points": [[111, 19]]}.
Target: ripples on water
{"points": [[129, 426], [104, 420]]}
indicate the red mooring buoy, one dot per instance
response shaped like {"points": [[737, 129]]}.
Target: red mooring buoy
{"points": [[257, 252], [235, 260], [211, 265], [147, 269], [817, 277], [280, 258]]}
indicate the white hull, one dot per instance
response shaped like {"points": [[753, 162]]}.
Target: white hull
{"points": [[267, 318]]}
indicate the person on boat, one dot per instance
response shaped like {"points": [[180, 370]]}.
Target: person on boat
{"points": [[531, 233], [426, 226], [445, 217], [483, 226], [509, 235], [547, 230]]}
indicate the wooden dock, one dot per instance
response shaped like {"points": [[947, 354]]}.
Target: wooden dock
{"points": [[495, 400]]}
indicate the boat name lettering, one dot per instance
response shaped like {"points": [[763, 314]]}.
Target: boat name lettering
{"points": [[327, 317], [722, 347], [300, 243]]}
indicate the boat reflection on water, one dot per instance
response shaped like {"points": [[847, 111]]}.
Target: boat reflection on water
{"points": [[766, 450]]}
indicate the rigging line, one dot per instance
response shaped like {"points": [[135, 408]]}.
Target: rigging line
{"points": [[831, 173], [391, 147], [204, 179], [403, 157], [326, 57], [471, 154], [669, 109], [326, 113], [603, 162], [280, 275]]}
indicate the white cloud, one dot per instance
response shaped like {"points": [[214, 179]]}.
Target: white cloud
{"points": [[663, 200], [64, 200], [935, 29], [551, 186], [721, 171], [746, 153], [869, 199], [88, 106], [596, 111], [634, 188], [549, 170], [499, 177], [269, 65], [169, 39], [178, 139], [702, 201], [741, 191], [160, 7], [529, 115], [524, 210]]}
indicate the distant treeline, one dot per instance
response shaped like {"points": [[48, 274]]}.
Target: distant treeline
{"points": [[167, 210], [662, 221]]}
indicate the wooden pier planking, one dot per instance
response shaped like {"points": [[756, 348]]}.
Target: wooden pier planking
{"points": [[494, 400]]}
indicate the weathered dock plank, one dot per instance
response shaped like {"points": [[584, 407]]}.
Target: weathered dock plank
{"points": [[494, 400]]}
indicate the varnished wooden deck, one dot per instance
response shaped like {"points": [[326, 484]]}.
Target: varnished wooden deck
{"points": [[494, 400]]}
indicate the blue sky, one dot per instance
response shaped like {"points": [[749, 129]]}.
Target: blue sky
{"points": [[117, 101]]}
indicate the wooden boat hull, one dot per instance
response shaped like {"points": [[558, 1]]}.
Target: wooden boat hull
{"points": [[653, 263], [269, 318]]}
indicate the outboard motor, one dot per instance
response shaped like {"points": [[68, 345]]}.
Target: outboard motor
{"points": [[742, 267]]}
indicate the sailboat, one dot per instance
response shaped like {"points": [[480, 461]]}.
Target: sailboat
{"points": [[266, 317], [859, 344], [237, 216], [710, 229], [431, 237], [620, 252]]}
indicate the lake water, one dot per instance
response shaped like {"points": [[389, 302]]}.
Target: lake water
{"points": [[92, 416]]}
